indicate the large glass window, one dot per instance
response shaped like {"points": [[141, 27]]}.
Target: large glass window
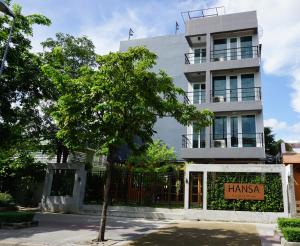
{"points": [[200, 55], [220, 50], [219, 88], [233, 48], [249, 131], [198, 93], [234, 131], [198, 137], [246, 47], [248, 91], [233, 89], [220, 128]]}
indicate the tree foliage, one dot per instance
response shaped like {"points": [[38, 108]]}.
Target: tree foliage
{"points": [[157, 156], [74, 53], [22, 84], [106, 107]]}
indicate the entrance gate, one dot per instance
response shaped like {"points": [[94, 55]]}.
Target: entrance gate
{"points": [[196, 179]]}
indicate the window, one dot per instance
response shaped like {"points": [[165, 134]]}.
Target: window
{"points": [[198, 138], [249, 131], [246, 47], [220, 128], [248, 93], [233, 89], [233, 48], [219, 88], [198, 93], [220, 50], [200, 55], [234, 131]]}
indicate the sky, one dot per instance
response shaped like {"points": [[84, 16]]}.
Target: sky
{"points": [[106, 22]]}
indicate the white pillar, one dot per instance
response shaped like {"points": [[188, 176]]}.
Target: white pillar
{"points": [[186, 187], [284, 191], [205, 190]]}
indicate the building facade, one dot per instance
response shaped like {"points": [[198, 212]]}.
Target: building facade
{"points": [[223, 72], [217, 63]]}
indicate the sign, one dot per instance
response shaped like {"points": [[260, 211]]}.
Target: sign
{"points": [[238, 191]]}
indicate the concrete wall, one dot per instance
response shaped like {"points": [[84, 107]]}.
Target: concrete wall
{"points": [[170, 51], [222, 23], [65, 204]]}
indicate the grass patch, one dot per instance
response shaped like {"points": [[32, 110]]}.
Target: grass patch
{"points": [[15, 217]]}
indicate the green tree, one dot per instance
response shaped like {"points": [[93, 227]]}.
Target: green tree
{"points": [[22, 84], [76, 52], [108, 107], [156, 156], [271, 145]]}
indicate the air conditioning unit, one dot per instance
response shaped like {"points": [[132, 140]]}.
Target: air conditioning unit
{"points": [[219, 99], [220, 143]]}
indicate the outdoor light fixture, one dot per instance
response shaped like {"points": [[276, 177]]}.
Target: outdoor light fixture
{"points": [[4, 8]]}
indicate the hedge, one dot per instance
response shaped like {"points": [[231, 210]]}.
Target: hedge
{"points": [[273, 201], [5, 200], [291, 234], [15, 216], [288, 222]]}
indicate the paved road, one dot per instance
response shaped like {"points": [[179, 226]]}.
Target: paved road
{"points": [[67, 230]]}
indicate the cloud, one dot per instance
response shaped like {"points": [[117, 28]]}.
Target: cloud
{"points": [[275, 124], [107, 35]]}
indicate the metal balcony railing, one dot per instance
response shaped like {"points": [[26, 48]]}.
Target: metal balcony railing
{"points": [[228, 95], [202, 13], [236, 95], [235, 53], [235, 140], [195, 97], [191, 58]]}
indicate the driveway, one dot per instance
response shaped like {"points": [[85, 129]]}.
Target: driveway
{"points": [[210, 234], [67, 230]]}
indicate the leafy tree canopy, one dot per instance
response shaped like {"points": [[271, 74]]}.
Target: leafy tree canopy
{"points": [[67, 54], [22, 84], [107, 107], [157, 157]]}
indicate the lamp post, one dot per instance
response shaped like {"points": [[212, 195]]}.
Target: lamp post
{"points": [[4, 8]]}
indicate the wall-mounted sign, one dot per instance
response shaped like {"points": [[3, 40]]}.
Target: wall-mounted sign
{"points": [[238, 191]]}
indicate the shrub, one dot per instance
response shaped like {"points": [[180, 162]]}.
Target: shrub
{"points": [[273, 201], [288, 222], [15, 217], [291, 234], [6, 200]]}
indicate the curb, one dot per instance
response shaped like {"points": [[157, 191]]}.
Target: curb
{"points": [[14, 243]]}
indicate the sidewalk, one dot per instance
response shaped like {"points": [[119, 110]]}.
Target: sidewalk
{"points": [[80, 230]]}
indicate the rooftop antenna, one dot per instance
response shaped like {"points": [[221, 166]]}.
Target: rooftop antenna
{"points": [[176, 27], [130, 33]]}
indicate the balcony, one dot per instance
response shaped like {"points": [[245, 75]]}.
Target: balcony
{"points": [[226, 59], [192, 58], [240, 99], [235, 53], [218, 146], [238, 140]]}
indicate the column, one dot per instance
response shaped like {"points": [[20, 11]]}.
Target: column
{"points": [[205, 190]]}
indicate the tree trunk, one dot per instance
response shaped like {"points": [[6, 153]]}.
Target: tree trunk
{"points": [[109, 167]]}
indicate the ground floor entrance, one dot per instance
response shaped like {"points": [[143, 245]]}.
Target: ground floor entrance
{"points": [[297, 187]]}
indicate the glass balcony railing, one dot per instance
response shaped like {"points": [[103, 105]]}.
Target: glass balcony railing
{"points": [[235, 53], [236, 140]]}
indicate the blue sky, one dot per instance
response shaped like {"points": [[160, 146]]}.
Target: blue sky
{"points": [[107, 22]]}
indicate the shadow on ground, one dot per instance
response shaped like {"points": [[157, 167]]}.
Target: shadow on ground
{"points": [[204, 234]]}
